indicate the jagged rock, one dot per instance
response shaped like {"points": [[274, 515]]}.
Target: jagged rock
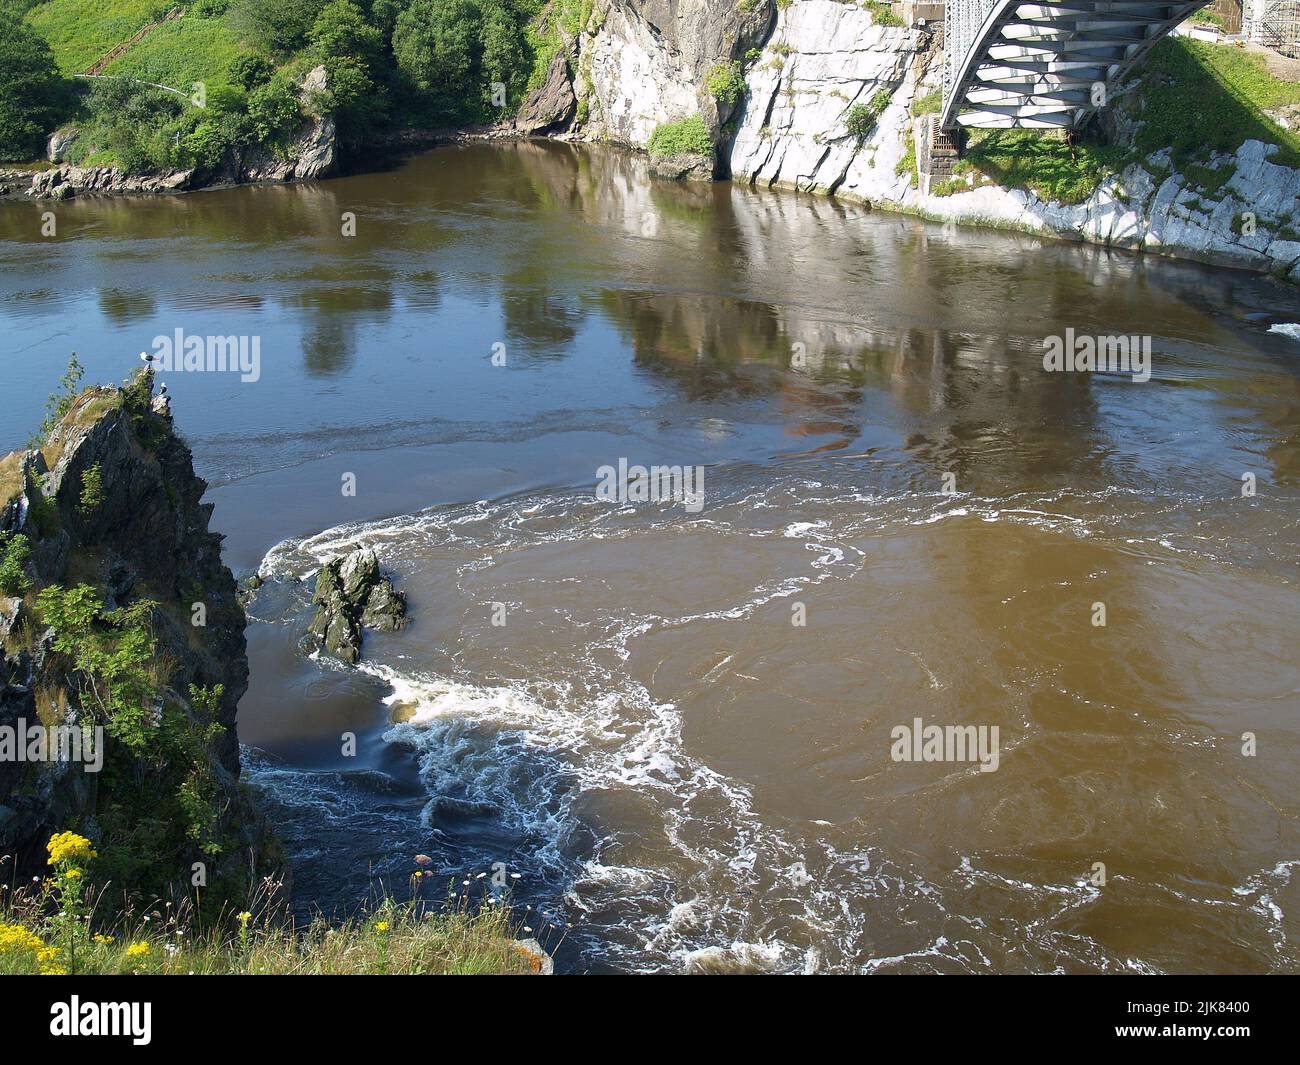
{"points": [[62, 182], [646, 62], [312, 154], [147, 538], [551, 106], [352, 594], [13, 614], [543, 964]]}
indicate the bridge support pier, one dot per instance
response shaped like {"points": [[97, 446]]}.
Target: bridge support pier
{"points": [[937, 151]]}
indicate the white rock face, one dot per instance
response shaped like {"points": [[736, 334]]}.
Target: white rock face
{"points": [[647, 61], [637, 80], [822, 59]]}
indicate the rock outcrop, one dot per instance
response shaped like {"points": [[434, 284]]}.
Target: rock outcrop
{"points": [[554, 104], [313, 153], [809, 63], [138, 533], [352, 594]]}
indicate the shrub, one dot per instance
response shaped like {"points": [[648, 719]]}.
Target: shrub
{"points": [[726, 83], [248, 70], [92, 489], [273, 109], [689, 136], [861, 119], [14, 552]]}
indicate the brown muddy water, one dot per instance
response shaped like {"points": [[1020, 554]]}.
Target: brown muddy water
{"points": [[681, 741]]}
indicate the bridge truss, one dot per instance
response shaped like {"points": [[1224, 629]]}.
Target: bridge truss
{"points": [[1017, 64]]}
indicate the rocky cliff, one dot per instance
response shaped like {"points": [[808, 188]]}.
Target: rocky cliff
{"points": [[810, 64], [109, 508]]}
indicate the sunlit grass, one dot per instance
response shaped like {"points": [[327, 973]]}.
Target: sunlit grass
{"points": [[391, 938]]}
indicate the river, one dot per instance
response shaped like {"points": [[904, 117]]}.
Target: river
{"points": [[679, 749]]}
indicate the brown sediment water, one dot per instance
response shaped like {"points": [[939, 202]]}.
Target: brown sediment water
{"points": [[685, 736]]}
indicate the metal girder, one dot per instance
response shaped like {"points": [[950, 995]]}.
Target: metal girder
{"points": [[1044, 54]]}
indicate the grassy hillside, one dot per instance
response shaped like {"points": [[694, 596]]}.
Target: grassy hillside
{"points": [[182, 52], [389, 63], [82, 31]]}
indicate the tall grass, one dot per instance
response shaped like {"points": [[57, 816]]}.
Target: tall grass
{"points": [[389, 938]]}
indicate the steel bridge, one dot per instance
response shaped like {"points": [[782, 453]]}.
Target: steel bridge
{"points": [[1017, 64]]}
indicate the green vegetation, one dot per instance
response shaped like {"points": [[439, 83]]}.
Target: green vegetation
{"points": [[1045, 163], [15, 550], [56, 928], [688, 136], [860, 119], [92, 489], [881, 13], [83, 31], [34, 97], [929, 104], [112, 651], [726, 82], [236, 66], [1198, 98]]}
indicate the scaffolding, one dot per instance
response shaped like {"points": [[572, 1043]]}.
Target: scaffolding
{"points": [[1275, 24]]}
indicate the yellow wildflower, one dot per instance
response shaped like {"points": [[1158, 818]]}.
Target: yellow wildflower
{"points": [[16, 937], [244, 918], [69, 847], [98, 938], [137, 950], [53, 970], [47, 954], [381, 926], [73, 874]]}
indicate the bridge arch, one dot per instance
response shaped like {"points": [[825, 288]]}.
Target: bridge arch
{"points": [[1023, 64]]}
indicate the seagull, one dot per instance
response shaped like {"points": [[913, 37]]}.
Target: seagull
{"points": [[146, 357], [162, 389]]}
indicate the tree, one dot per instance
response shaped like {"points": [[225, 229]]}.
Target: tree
{"points": [[34, 96], [434, 42], [280, 25], [341, 30], [503, 51]]}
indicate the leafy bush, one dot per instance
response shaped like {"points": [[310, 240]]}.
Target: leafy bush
{"points": [[434, 41], [726, 83], [14, 552], [861, 119], [248, 70], [113, 650], [278, 25], [34, 96], [273, 110], [881, 13], [689, 136]]}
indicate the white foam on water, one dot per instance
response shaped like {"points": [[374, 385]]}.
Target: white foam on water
{"points": [[530, 750], [1286, 329]]}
